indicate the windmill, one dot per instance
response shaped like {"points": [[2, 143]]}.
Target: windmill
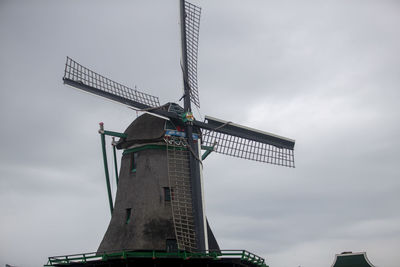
{"points": [[159, 202]]}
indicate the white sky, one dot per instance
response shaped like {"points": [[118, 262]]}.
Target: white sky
{"points": [[325, 73]]}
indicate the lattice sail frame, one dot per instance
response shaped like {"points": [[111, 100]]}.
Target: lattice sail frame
{"points": [[247, 149], [192, 26], [77, 73], [181, 193]]}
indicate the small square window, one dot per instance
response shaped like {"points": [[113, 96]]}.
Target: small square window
{"points": [[168, 194], [128, 215], [133, 161]]}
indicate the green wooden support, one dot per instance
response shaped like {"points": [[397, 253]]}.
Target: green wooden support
{"points": [[115, 158], [205, 155], [208, 149], [116, 134], [103, 146]]}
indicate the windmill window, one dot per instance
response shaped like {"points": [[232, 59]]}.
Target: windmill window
{"points": [[128, 215], [168, 194], [172, 245], [133, 161]]}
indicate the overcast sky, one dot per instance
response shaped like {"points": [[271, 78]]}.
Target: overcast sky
{"points": [[325, 73]]}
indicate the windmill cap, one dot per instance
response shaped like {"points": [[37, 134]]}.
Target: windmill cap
{"points": [[146, 128]]}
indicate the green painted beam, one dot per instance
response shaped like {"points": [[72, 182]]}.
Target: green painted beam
{"points": [[103, 147], [208, 149], [115, 159], [116, 134], [144, 147], [153, 146], [205, 155]]}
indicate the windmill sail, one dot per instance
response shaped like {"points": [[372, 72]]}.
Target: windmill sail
{"points": [[243, 142], [192, 27], [181, 197], [87, 80]]}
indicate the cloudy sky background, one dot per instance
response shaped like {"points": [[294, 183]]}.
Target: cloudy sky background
{"points": [[325, 73]]}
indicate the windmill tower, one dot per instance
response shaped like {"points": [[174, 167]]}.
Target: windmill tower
{"points": [[159, 202]]}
